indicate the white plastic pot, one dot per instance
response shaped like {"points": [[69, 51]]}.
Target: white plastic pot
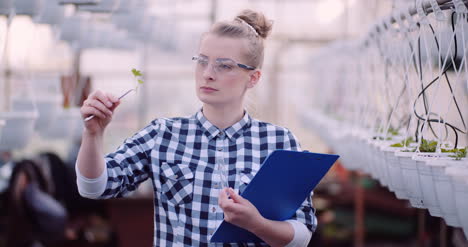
{"points": [[67, 124], [459, 179], [28, 7], [2, 124], [383, 172], [372, 158], [362, 154], [48, 108], [5, 6], [443, 190], [395, 173], [410, 174], [104, 6], [51, 13], [426, 179], [72, 28], [79, 2], [18, 130]]}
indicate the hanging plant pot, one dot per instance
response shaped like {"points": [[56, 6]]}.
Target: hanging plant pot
{"points": [[104, 6], [396, 182], [352, 151], [66, 125], [342, 147], [410, 174], [72, 29], [380, 160], [79, 2], [371, 158], [48, 108], [18, 130], [361, 153], [443, 189], [51, 13], [459, 179], [426, 179], [28, 7], [5, 7], [2, 124]]}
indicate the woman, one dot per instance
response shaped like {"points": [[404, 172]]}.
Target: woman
{"points": [[191, 161]]}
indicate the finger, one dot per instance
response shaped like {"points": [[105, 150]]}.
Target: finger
{"points": [[88, 111], [103, 98], [114, 106], [113, 98], [235, 197], [222, 197], [100, 106]]}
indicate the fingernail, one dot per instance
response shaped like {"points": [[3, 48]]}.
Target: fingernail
{"points": [[109, 104]]}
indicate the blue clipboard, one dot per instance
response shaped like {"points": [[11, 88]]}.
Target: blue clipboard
{"points": [[278, 189]]}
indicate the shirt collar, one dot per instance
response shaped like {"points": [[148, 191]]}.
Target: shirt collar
{"points": [[231, 132]]}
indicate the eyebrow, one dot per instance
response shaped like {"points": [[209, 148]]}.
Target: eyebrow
{"points": [[220, 58]]}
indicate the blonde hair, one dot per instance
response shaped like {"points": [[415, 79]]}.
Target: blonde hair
{"points": [[250, 25]]}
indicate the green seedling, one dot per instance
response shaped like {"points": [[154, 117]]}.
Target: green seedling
{"points": [[458, 153], [138, 76], [404, 143]]}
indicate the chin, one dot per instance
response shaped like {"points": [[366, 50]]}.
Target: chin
{"points": [[210, 100]]}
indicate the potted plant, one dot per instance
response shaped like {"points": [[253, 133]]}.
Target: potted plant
{"points": [[51, 13], [459, 180], [48, 100], [395, 176], [19, 124], [68, 123], [2, 124], [5, 7], [443, 188], [27, 7]]}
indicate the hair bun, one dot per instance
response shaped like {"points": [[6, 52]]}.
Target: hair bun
{"points": [[257, 20]]}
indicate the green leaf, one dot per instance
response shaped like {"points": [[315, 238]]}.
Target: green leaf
{"points": [[459, 153], [140, 81], [397, 145], [403, 143], [428, 146], [136, 72]]}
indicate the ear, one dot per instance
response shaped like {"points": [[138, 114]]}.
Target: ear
{"points": [[254, 77]]}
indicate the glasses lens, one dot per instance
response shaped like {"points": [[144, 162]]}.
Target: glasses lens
{"points": [[224, 66], [201, 61]]}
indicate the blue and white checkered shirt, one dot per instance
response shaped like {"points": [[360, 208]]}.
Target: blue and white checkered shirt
{"points": [[180, 155]]}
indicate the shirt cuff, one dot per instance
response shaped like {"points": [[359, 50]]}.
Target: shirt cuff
{"points": [[302, 235], [91, 188]]}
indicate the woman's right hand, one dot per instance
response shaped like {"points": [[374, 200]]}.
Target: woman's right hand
{"points": [[102, 106]]}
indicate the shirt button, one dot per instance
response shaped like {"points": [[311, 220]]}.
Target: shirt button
{"points": [[211, 232], [213, 209], [220, 149], [216, 186], [221, 134]]}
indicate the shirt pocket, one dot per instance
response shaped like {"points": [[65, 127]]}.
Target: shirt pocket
{"points": [[245, 177], [177, 183]]}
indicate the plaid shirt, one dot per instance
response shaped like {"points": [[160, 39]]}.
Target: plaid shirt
{"points": [[179, 156]]}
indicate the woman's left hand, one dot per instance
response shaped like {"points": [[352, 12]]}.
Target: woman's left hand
{"points": [[239, 211]]}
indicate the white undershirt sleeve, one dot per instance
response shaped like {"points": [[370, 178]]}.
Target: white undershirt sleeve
{"points": [[302, 235], [91, 187]]}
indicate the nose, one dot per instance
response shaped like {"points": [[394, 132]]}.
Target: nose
{"points": [[209, 73]]}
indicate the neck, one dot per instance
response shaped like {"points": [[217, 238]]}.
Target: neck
{"points": [[223, 116]]}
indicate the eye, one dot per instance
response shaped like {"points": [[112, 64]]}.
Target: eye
{"points": [[202, 61], [225, 67]]}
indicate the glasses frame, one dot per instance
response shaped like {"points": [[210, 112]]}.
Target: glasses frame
{"points": [[240, 65]]}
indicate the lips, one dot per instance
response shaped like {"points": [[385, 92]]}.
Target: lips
{"points": [[209, 89]]}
